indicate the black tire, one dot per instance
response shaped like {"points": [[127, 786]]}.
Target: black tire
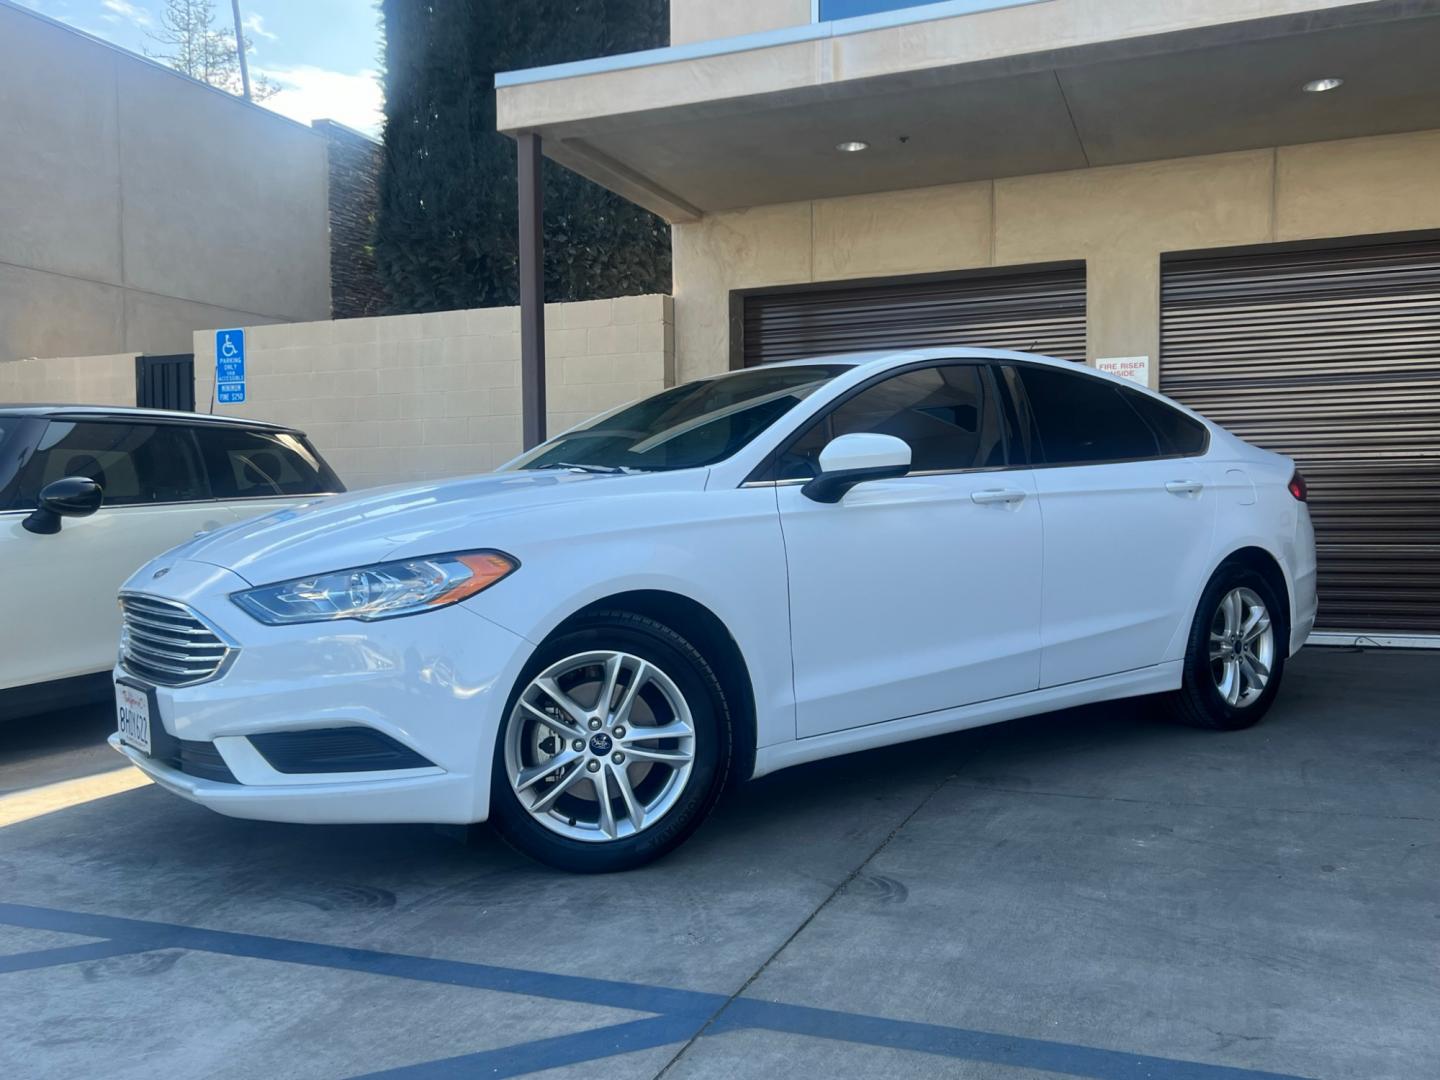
{"points": [[1198, 702], [657, 644]]}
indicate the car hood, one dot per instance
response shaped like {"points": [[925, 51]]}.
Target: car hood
{"points": [[369, 526]]}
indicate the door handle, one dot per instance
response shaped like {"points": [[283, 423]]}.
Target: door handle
{"points": [[1184, 487], [997, 495]]}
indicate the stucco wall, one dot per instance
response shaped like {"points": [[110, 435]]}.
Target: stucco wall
{"points": [[69, 380], [137, 206], [1120, 220], [413, 397], [705, 20]]}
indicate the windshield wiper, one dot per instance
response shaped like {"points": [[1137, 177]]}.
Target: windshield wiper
{"points": [[608, 470]]}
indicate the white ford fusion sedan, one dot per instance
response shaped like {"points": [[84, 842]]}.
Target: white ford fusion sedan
{"points": [[736, 575]]}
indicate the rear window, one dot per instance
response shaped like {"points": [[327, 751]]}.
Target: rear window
{"points": [[1178, 433], [262, 464]]}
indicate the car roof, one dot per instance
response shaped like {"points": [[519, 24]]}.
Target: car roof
{"points": [[118, 412], [888, 357], [877, 361]]}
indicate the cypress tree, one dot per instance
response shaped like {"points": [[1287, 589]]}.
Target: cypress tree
{"points": [[446, 231]]}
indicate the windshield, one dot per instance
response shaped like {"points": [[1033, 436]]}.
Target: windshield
{"points": [[688, 426]]}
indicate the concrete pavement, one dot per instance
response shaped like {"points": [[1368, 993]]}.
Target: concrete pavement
{"points": [[1089, 893]]}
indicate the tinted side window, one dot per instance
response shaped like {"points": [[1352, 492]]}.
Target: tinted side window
{"points": [[1024, 436], [1082, 419], [135, 464], [16, 436], [258, 464], [944, 413], [1178, 433]]}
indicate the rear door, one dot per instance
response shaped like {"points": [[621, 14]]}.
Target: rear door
{"points": [[62, 587], [920, 593], [1128, 504]]}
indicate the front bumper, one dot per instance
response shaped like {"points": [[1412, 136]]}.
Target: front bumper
{"points": [[435, 683], [442, 799]]}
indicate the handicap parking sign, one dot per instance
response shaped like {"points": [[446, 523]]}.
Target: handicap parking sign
{"points": [[230, 366]]}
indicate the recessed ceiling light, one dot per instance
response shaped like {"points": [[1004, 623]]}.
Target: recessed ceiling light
{"points": [[1319, 86], [853, 147]]}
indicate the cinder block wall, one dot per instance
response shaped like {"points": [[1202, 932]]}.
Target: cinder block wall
{"points": [[69, 380], [414, 397]]}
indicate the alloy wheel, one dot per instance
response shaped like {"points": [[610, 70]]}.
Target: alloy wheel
{"points": [[1242, 647], [600, 746]]}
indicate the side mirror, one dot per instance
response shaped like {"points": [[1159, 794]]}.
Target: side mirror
{"points": [[853, 459], [74, 496]]}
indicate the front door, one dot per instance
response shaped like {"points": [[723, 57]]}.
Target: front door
{"points": [[920, 593], [61, 587]]}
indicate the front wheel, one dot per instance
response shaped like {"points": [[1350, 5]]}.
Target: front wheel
{"points": [[1235, 656], [614, 748]]}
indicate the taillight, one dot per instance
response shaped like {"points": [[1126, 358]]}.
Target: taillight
{"points": [[1299, 488]]}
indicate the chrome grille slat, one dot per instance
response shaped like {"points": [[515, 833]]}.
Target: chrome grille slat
{"points": [[169, 628], [150, 636], [166, 643], [150, 652]]}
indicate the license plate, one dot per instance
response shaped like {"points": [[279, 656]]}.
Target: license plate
{"points": [[132, 711]]}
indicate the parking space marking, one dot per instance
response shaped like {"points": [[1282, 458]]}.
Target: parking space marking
{"points": [[523, 1059], [637, 997], [21, 806], [67, 954], [679, 1015]]}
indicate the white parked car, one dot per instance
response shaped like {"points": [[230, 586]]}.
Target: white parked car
{"points": [[731, 577], [87, 494]]}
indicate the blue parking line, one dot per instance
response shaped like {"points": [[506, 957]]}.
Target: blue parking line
{"points": [[1067, 1059], [678, 1015], [637, 997], [523, 1059], [67, 954]]}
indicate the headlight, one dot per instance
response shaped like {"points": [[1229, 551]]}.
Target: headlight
{"points": [[382, 591]]}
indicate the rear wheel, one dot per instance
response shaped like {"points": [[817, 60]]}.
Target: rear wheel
{"points": [[615, 746], [1235, 655]]}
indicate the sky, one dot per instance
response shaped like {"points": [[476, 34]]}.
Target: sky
{"points": [[324, 54]]}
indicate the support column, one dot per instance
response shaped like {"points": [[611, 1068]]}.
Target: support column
{"points": [[532, 291]]}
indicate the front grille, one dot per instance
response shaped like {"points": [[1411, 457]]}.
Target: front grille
{"points": [[166, 643]]}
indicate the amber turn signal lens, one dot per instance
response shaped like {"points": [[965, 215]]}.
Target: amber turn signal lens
{"points": [[486, 568]]}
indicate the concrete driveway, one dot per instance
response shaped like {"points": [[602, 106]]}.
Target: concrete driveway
{"points": [[1091, 893]]}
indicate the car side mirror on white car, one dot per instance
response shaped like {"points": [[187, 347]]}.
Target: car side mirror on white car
{"points": [[74, 496], [853, 459]]}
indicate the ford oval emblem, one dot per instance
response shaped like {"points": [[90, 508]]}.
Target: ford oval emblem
{"points": [[160, 573]]}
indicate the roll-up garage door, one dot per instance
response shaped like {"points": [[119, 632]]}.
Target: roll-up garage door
{"points": [[1332, 357], [1039, 311]]}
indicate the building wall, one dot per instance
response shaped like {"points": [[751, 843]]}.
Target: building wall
{"points": [[137, 205], [705, 20], [411, 397], [69, 380], [1120, 220]]}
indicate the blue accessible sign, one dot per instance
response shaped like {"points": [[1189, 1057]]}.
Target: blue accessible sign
{"points": [[230, 367]]}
